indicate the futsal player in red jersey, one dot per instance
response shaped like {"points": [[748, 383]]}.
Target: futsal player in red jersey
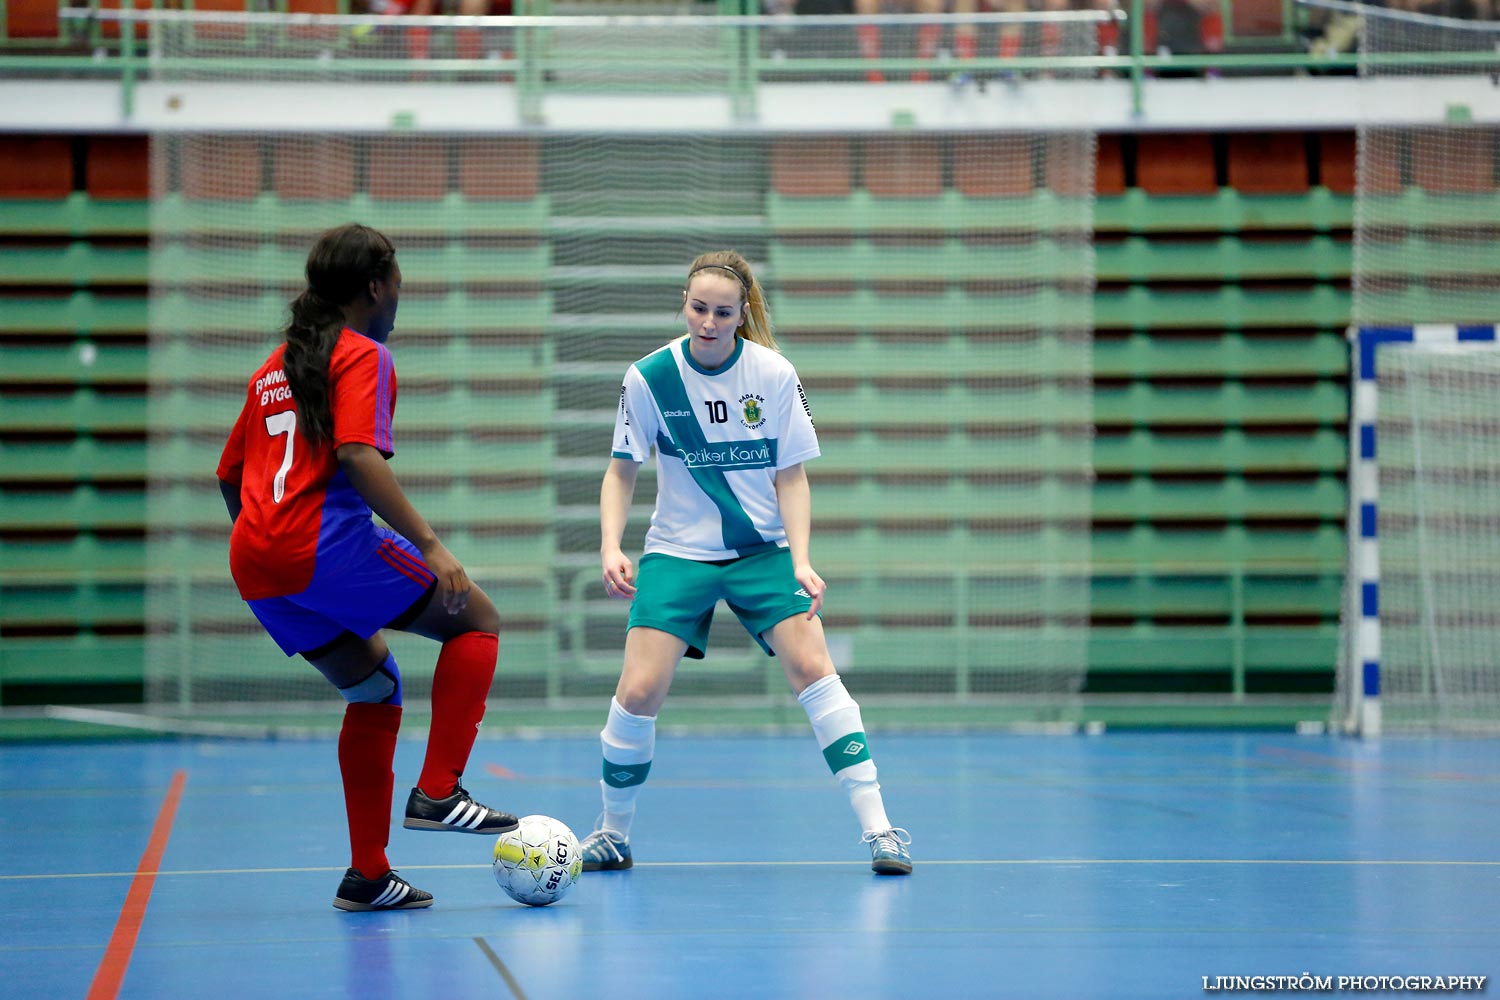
{"points": [[301, 473]]}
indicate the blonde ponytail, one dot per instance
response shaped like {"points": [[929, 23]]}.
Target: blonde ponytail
{"points": [[757, 327]]}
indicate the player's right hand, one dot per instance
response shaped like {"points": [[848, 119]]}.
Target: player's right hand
{"points": [[453, 584], [619, 574]]}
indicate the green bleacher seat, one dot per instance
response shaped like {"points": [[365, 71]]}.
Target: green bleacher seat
{"points": [[956, 498], [1150, 647], [1232, 498], [1042, 259], [1227, 258], [948, 449], [949, 212], [1229, 449], [75, 215], [1140, 307], [85, 658], [951, 310], [905, 355], [82, 409], [868, 404], [1232, 403], [1210, 594], [421, 314], [1228, 355], [82, 459], [267, 215], [61, 362], [454, 263], [1228, 211], [77, 314], [1318, 546], [77, 265]]}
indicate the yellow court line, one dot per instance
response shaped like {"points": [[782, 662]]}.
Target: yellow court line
{"points": [[996, 862]]}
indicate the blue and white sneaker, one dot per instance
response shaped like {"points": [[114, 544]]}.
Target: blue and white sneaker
{"points": [[888, 853], [605, 851]]}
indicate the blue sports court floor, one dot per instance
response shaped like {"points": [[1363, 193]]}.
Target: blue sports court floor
{"points": [[1114, 866]]}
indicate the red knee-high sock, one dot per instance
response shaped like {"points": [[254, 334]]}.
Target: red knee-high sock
{"points": [[367, 742], [461, 682]]}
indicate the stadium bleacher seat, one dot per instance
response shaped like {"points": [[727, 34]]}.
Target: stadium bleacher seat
{"points": [[36, 167], [1268, 163], [1176, 164], [31, 19]]}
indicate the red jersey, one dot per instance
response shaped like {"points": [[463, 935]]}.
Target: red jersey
{"points": [[296, 500]]}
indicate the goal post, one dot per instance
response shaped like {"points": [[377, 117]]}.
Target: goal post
{"points": [[1422, 648]]}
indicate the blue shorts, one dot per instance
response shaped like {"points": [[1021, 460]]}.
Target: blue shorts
{"points": [[361, 584]]}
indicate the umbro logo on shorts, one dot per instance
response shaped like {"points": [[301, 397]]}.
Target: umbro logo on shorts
{"points": [[802, 592]]}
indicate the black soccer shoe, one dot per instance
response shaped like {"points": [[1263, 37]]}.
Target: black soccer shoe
{"points": [[389, 892], [458, 813]]}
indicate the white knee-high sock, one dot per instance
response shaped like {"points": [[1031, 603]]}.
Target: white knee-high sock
{"points": [[841, 733], [628, 742]]}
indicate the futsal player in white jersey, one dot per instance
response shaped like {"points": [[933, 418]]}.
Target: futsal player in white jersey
{"points": [[730, 425]]}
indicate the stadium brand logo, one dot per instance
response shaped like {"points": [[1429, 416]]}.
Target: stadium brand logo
{"points": [[677, 413], [753, 415]]}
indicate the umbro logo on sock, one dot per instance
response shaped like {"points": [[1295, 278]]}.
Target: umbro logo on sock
{"points": [[622, 775], [853, 748]]}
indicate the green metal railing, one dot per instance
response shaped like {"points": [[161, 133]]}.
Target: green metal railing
{"points": [[534, 71]]}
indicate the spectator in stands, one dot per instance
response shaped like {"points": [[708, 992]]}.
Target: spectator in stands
{"points": [[301, 473]]}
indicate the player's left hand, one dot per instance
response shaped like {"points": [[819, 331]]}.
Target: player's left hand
{"points": [[452, 581], [814, 585]]}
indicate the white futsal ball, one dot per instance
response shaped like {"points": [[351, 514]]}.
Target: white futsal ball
{"points": [[537, 862]]}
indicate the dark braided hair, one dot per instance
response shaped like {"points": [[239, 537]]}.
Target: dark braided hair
{"points": [[340, 267]]}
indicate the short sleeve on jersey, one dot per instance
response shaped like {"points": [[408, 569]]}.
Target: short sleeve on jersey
{"points": [[363, 392], [635, 421]]}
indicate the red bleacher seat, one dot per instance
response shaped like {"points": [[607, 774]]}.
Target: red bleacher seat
{"points": [[904, 167], [317, 167], [111, 29], [993, 166], [118, 166], [35, 166], [811, 168], [31, 18], [407, 169], [1268, 162], [220, 168], [1453, 161], [1257, 17], [1176, 163], [1337, 159], [499, 168]]}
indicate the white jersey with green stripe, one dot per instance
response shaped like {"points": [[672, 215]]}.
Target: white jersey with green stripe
{"points": [[720, 436]]}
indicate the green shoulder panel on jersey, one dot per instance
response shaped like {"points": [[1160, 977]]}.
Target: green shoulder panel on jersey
{"points": [[671, 395]]}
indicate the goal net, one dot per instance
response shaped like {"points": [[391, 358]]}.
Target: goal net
{"points": [[1426, 208], [546, 182]]}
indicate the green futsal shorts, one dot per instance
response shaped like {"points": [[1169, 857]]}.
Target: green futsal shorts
{"points": [[678, 595]]}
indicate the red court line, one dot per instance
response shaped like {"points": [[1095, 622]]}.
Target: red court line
{"points": [[500, 771], [111, 971]]}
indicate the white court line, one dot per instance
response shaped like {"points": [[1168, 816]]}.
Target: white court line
{"points": [[924, 863]]}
